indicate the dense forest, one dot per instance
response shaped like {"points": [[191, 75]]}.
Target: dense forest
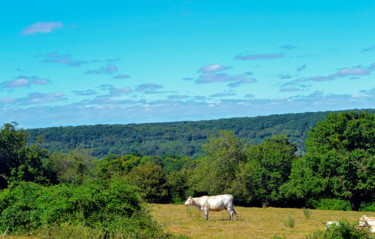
{"points": [[178, 138]]}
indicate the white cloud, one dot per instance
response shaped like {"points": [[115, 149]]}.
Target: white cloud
{"points": [[24, 81], [127, 111], [42, 27], [109, 69], [212, 68], [40, 98]]}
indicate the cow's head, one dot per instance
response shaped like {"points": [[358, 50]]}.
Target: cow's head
{"points": [[189, 201]]}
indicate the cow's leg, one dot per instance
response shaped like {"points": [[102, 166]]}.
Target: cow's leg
{"points": [[231, 211], [206, 209]]}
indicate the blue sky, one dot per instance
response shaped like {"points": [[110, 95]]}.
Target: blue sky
{"points": [[119, 62]]}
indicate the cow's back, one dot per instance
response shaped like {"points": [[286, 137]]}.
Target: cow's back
{"points": [[220, 202]]}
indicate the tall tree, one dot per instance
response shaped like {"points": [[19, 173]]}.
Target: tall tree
{"points": [[73, 167], [340, 159], [216, 172], [271, 161], [19, 161], [151, 180]]}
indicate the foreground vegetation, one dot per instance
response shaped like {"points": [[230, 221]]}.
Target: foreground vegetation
{"points": [[75, 191], [251, 223], [94, 209]]}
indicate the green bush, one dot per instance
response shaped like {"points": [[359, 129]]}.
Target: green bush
{"points": [[112, 206], [367, 207], [307, 212], [343, 231], [329, 204], [289, 222]]}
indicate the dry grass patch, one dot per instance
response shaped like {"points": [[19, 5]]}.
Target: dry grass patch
{"points": [[251, 223]]}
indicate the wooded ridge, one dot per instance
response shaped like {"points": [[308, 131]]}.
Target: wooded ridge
{"points": [[178, 138]]}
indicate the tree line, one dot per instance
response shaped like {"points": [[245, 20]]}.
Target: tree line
{"points": [[179, 138], [337, 169]]}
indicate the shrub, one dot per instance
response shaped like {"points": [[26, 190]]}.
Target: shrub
{"points": [[344, 230], [329, 204], [289, 222], [367, 207], [307, 212], [111, 206]]}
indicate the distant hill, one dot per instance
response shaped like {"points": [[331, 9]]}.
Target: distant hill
{"points": [[179, 138]]}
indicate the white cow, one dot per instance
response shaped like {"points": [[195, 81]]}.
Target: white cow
{"points": [[331, 223], [213, 203], [369, 222]]}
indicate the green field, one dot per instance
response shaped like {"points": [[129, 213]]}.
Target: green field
{"points": [[251, 223]]}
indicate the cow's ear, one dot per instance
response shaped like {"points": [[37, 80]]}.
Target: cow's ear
{"points": [[190, 197]]}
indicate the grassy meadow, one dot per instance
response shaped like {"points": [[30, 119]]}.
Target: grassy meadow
{"points": [[251, 223]]}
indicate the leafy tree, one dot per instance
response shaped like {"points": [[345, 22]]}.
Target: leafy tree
{"points": [[271, 161], [340, 161], [178, 186], [172, 163], [150, 179], [73, 167], [115, 165], [245, 184], [19, 161], [216, 172]]}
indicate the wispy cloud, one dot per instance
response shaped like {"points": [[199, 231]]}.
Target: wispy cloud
{"points": [[33, 98], [7, 100], [24, 81], [212, 68], [290, 89], [258, 57], [117, 92], [85, 92], [128, 111], [178, 97], [121, 77], [109, 69], [241, 82], [301, 68], [355, 71], [283, 77], [211, 74], [342, 73], [218, 95], [113, 97], [207, 78], [40, 98], [288, 47], [65, 59], [42, 27], [149, 87], [370, 48]]}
